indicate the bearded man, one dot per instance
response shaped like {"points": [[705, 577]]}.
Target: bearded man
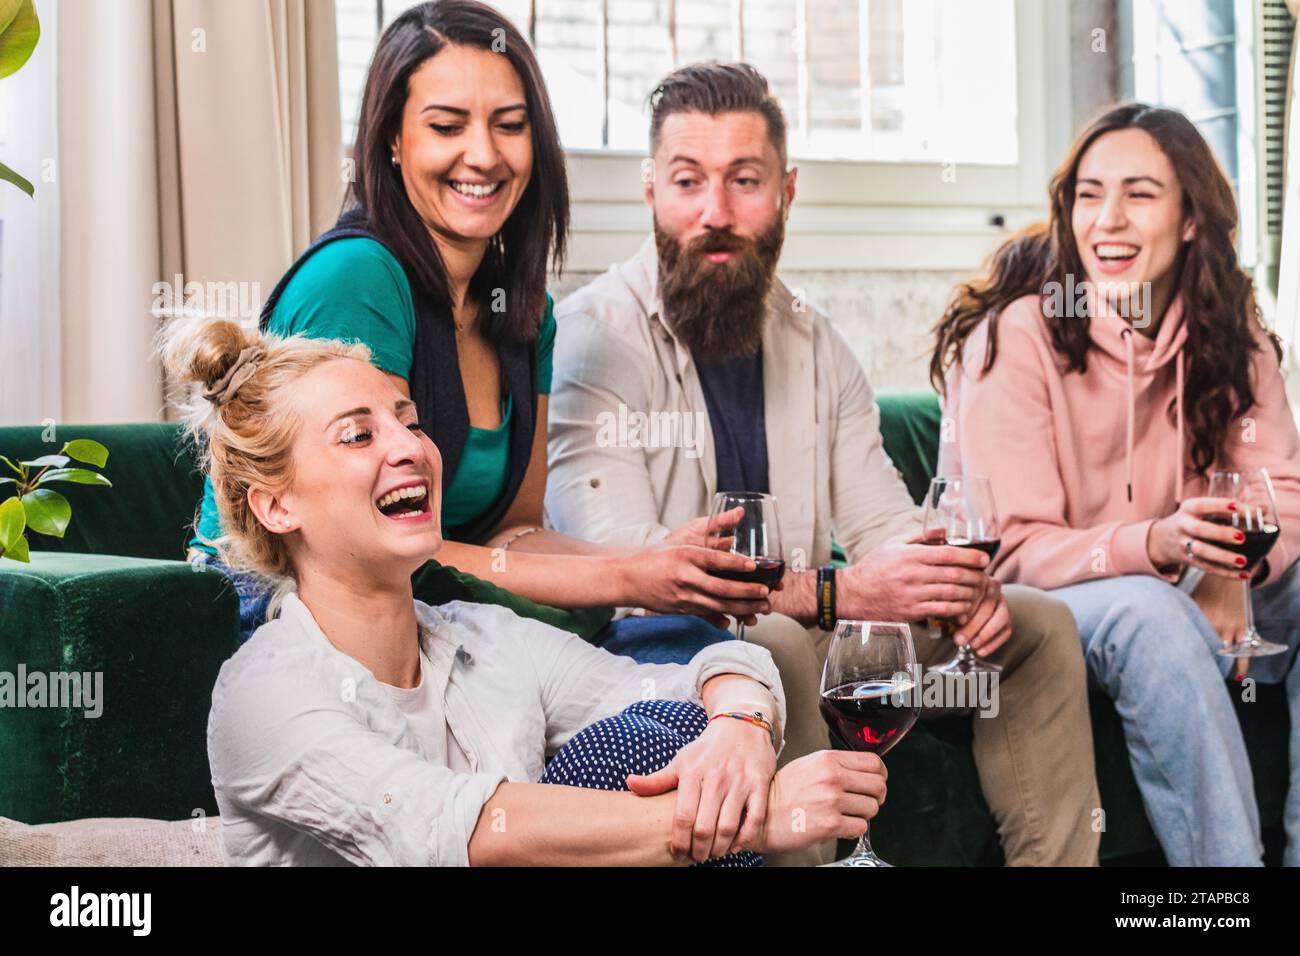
{"points": [[697, 328]]}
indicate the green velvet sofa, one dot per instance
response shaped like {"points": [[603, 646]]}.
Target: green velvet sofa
{"points": [[115, 596]]}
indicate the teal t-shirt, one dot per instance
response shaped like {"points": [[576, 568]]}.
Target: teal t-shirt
{"points": [[355, 291]]}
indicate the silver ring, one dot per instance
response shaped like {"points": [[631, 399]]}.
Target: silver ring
{"points": [[1187, 546]]}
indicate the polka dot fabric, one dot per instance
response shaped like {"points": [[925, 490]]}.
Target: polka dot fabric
{"points": [[642, 739]]}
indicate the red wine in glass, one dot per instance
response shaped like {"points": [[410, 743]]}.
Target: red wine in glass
{"points": [[869, 697], [960, 512], [870, 715], [1256, 518], [989, 547], [746, 523], [1259, 541], [768, 572]]}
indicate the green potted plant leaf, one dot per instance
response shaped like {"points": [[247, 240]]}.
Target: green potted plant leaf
{"points": [[19, 31], [40, 509]]}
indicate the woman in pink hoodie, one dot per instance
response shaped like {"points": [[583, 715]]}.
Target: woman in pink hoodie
{"points": [[1110, 360]]}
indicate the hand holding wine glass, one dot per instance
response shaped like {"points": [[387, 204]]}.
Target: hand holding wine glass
{"points": [[1200, 534], [869, 696], [959, 512], [1253, 520], [745, 523]]}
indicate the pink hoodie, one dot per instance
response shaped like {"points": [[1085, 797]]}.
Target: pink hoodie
{"points": [[1081, 465]]}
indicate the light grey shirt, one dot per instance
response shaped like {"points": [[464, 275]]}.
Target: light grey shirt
{"points": [[630, 442], [314, 763]]}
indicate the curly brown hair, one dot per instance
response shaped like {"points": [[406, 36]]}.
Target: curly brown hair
{"points": [[1218, 296]]}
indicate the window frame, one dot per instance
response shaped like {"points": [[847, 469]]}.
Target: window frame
{"points": [[848, 214]]}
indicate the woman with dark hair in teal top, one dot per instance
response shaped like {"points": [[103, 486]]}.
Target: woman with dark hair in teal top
{"points": [[439, 265]]}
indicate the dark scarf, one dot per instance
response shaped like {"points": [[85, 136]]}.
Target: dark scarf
{"points": [[435, 381]]}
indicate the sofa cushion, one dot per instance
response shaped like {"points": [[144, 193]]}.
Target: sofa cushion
{"points": [[157, 632], [155, 494], [121, 841]]}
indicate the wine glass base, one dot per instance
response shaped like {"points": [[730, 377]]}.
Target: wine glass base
{"points": [[1252, 649], [865, 860], [967, 665]]}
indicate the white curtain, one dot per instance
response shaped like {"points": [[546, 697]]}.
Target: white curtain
{"points": [[30, 379], [200, 139]]}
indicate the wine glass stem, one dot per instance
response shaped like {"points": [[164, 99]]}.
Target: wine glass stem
{"points": [[1251, 634], [864, 844]]}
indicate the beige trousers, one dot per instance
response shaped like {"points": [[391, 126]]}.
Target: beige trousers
{"points": [[1035, 757]]}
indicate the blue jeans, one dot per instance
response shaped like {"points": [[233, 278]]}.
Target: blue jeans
{"points": [[659, 638], [254, 595], [642, 739], [1149, 647], [653, 639]]}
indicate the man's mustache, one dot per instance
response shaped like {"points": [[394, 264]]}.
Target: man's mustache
{"points": [[718, 242]]}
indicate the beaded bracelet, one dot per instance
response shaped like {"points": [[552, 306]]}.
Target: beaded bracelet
{"points": [[516, 536], [756, 718]]}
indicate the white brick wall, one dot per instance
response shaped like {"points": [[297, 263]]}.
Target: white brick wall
{"points": [[886, 316]]}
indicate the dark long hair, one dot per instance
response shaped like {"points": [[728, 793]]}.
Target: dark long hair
{"points": [[534, 235], [1219, 304]]}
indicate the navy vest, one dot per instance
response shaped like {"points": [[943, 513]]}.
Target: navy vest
{"points": [[436, 386]]}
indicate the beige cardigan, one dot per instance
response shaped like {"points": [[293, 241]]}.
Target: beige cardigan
{"points": [[616, 359]]}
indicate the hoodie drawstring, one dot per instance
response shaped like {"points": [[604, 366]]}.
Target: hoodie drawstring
{"points": [[1127, 335]]}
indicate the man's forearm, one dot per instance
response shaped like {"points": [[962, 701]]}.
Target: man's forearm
{"points": [[797, 597]]}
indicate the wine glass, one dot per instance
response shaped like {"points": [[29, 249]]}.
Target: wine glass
{"points": [[1256, 518], [755, 533], [869, 697], [959, 512]]}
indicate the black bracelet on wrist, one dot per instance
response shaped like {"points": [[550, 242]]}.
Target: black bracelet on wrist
{"points": [[826, 597]]}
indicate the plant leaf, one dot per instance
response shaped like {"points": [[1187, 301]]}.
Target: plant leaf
{"points": [[13, 519], [19, 38], [8, 481], [58, 461], [19, 551], [48, 512], [82, 476], [91, 452], [18, 179], [8, 10]]}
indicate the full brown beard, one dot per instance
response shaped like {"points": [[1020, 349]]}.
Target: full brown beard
{"points": [[718, 309]]}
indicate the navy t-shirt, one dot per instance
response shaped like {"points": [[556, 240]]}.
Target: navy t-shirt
{"points": [[733, 392]]}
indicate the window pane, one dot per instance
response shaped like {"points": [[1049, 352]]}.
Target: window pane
{"points": [[639, 57], [357, 38], [567, 50], [940, 75]]}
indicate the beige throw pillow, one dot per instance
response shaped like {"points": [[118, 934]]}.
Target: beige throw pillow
{"points": [[112, 841]]}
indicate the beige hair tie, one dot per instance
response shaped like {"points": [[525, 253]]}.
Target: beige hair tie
{"points": [[240, 372]]}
